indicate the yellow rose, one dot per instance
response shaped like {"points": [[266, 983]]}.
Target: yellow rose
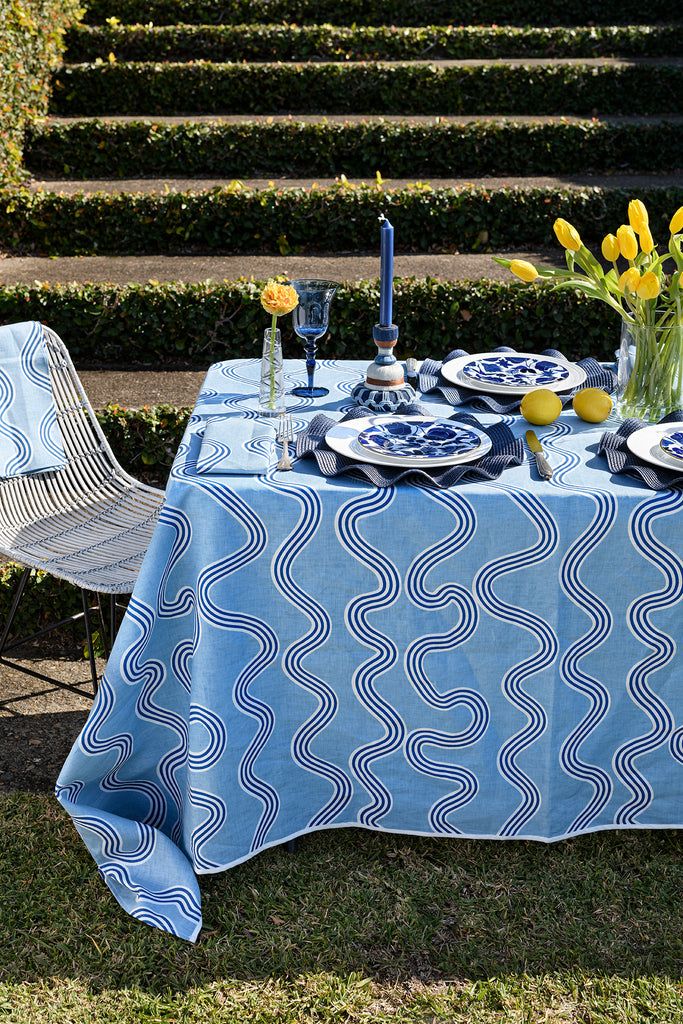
{"points": [[649, 286], [628, 243], [567, 235], [527, 271], [278, 299], [630, 280], [676, 221], [637, 215], [610, 248]]}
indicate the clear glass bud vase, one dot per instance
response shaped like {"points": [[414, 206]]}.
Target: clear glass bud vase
{"points": [[272, 387], [649, 371]]}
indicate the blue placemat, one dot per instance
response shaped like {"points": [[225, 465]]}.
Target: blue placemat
{"points": [[431, 379], [506, 450], [620, 459]]}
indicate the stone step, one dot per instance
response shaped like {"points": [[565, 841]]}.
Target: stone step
{"points": [[616, 119], [137, 388], [171, 184], [349, 268]]}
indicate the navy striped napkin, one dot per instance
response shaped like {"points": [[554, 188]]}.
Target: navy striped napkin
{"points": [[620, 458], [431, 379], [507, 450]]}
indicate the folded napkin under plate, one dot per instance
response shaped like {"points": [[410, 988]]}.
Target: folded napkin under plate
{"points": [[236, 444], [506, 450], [30, 441], [431, 379], [620, 459]]}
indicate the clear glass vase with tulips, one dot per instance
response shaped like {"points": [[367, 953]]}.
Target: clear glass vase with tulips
{"points": [[647, 296]]}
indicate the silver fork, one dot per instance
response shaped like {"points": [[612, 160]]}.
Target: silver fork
{"points": [[285, 435]]}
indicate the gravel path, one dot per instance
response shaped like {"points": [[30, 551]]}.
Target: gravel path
{"points": [[38, 731]]}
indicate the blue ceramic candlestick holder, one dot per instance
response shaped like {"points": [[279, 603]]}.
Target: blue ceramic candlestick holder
{"points": [[384, 388]]}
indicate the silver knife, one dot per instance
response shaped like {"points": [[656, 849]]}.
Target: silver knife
{"points": [[542, 463]]}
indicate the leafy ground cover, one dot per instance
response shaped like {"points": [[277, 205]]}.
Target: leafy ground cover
{"points": [[354, 926]]}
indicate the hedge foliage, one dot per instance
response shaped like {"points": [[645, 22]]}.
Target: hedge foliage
{"points": [[31, 45], [206, 88], [381, 12], [336, 219], [385, 42], [197, 324], [99, 149]]}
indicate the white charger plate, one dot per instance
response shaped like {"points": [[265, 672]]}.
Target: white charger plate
{"points": [[454, 371], [645, 443], [343, 439]]}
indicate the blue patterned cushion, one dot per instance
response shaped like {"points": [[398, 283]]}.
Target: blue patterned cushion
{"points": [[30, 441], [235, 444]]}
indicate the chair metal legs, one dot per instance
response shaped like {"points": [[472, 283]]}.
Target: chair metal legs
{"points": [[85, 615]]}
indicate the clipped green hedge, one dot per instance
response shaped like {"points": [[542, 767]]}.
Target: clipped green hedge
{"points": [[207, 88], [380, 12], [31, 45], [336, 219], [197, 324], [384, 42], [99, 149]]}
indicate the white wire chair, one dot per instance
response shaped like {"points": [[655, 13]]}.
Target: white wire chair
{"points": [[89, 522]]}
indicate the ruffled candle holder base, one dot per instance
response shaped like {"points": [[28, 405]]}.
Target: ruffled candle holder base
{"points": [[384, 389]]}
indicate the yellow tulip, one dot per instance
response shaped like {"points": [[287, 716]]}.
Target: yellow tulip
{"points": [[676, 221], [637, 215], [649, 286], [630, 280], [527, 271], [278, 299], [628, 243], [646, 242], [567, 235], [610, 247]]}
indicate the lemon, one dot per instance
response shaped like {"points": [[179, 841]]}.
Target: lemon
{"points": [[592, 405], [540, 406]]}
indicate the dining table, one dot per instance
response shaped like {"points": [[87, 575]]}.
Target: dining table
{"points": [[488, 655]]}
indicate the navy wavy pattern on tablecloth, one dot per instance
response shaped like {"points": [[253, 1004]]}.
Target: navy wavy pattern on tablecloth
{"points": [[586, 546], [515, 677], [365, 677], [663, 648], [418, 652], [295, 655]]}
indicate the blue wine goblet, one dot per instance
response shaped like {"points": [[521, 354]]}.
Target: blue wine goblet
{"points": [[310, 320]]}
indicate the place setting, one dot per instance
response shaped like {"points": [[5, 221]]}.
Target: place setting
{"points": [[498, 380], [385, 449], [651, 452]]}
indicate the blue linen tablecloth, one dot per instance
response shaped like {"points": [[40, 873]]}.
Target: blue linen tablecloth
{"points": [[498, 659]]}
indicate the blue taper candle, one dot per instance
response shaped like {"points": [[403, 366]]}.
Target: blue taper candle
{"points": [[386, 283]]}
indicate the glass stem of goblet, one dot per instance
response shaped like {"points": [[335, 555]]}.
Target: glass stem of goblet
{"points": [[310, 361]]}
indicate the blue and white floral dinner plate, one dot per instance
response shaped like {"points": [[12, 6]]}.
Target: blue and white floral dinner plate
{"points": [[657, 444], [420, 441], [673, 444], [512, 373]]}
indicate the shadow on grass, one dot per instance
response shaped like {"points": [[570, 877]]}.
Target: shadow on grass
{"points": [[390, 907]]}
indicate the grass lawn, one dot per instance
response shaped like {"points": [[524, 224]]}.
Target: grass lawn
{"points": [[355, 926]]}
